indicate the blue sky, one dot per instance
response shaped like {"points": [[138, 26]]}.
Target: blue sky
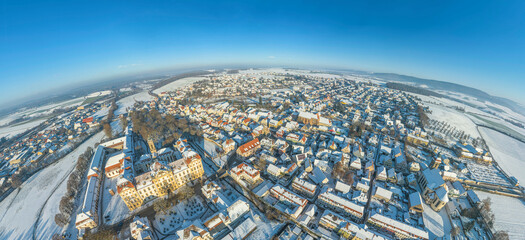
{"points": [[48, 44]]}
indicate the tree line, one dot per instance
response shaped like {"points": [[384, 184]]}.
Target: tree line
{"points": [[106, 124], [412, 89], [74, 182]]}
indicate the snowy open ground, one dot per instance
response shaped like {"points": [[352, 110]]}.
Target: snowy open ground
{"points": [[37, 111], [113, 206], [434, 223], [129, 101], [508, 152], [498, 123], [102, 112], [178, 84], [19, 211], [457, 119], [11, 131], [508, 212]]}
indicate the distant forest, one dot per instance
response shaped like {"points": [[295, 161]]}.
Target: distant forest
{"points": [[412, 89]]}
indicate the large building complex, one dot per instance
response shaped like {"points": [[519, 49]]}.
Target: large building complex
{"points": [[162, 178]]}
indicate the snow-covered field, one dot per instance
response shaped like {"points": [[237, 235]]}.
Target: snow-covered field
{"points": [[42, 192], [11, 131], [178, 84], [34, 112], [129, 101], [455, 118], [498, 123], [508, 152], [102, 112], [508, 212], [99, 94]]}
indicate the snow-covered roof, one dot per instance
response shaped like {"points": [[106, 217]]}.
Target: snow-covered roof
{"points": [[244, 229], [115, 160], [341, 202], [415, 199], [96, 160], [238, 209], [117, 141], [288, 196], [397, 226], [434, 180], [89, 202], [342, 187], [383, 193]]}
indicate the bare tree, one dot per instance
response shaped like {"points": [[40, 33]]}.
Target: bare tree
{"points": [[501, 235]]}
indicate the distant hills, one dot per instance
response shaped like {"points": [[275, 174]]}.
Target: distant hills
{"points": [[453, 87]]}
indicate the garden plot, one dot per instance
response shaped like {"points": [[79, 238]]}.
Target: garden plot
{"points": [[169, 222], [488, 174], [191, 208]]}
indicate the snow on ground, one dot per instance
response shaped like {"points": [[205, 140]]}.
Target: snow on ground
{"points": [[178, 215], [116, 127], [169, 222], [113, 206], [434, 222], [102, 112], [265, 228], [454, 118], [191, 208], [271, 71], [508, 212], [47, 227], [211, 148], [498, 123], [129, 101], [508, 152], [126, 89], [443, 110], [99, 94], [37, 111], [11, 131], [173, 86], [17, 220], [507, 112]]}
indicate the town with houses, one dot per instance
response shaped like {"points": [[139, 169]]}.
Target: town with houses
{"points": [[54, 138], [271, 155]]}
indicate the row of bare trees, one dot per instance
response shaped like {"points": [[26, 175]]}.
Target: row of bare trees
{"points": [[106, 124], [74, 182], [483, 210]]}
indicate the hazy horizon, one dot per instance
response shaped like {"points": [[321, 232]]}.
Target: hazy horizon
{"points": [[47, 46]]}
